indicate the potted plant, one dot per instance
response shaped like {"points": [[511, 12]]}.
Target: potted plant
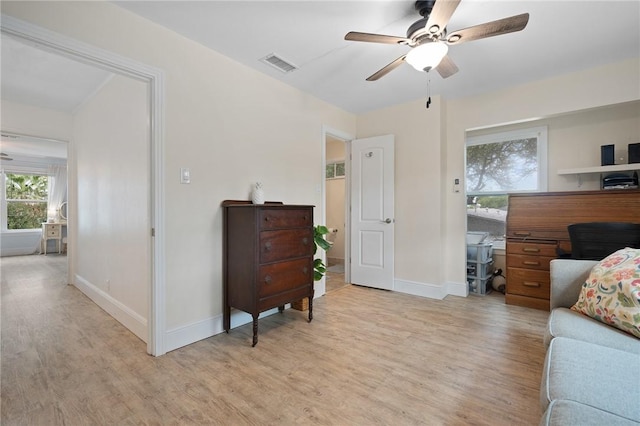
{"points": [[319, 268]]}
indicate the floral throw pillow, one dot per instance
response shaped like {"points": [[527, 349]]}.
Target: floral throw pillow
{"points": [[611, 294]]}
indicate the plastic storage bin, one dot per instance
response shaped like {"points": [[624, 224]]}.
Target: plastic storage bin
{"points": [[479, 286], [480, 269], [481, 252]]}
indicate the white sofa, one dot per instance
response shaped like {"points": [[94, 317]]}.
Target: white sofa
{"points": [[592, 370]]}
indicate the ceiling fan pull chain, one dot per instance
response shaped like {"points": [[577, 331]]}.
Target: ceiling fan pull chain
{"points": [[428, 90]]}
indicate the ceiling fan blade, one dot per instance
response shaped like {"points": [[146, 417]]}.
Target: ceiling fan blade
{"points": [[375, 38], [446, 68], [489, 29], [440, 15], [386, 69]]}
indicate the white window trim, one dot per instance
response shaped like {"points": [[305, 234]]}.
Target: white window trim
{"points": [[541, 133]]}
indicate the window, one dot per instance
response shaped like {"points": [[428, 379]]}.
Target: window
{"points": [[499, 163], [25, 201], [335, 170]]}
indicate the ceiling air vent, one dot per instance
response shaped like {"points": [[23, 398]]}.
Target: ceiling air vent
{"points": [[278, 63]]}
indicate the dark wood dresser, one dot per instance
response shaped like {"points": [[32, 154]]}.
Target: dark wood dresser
{"points": [[537, 233], [268, 257]]}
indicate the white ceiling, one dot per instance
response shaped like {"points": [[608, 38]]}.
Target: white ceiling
{"points": [[32, 76], [561, 37]]}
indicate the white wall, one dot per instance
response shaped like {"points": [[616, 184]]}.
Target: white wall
{"points": [[35, 121], [229, 124], [112, 242]]}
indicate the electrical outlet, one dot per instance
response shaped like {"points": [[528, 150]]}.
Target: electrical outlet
{"points": [[456, 185]]}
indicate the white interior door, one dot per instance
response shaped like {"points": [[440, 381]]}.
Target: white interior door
{"points": [[372, 211]]}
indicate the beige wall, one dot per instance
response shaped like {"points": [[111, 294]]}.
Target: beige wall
{"points": [[548, 98], [112, 214], [418, 174], [225, 121], [231, 125]]}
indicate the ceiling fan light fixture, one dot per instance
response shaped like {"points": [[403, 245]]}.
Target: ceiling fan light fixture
{"points": [[427, 56]]}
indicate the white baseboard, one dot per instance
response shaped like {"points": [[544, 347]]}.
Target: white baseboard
{"points": [[432, 291], [123, 314], [191, 333], [457, 289]]}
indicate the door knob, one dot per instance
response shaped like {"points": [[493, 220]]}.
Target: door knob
{"points": [[388, 220]]}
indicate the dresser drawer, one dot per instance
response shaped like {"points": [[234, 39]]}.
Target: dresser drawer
{"points": [[284, 276], [531, 248], [526, 282], [53, 231], [285, 244], [529, 262], [290, 218]]}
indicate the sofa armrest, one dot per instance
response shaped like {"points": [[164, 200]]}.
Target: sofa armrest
{"points": [[567, 277]]}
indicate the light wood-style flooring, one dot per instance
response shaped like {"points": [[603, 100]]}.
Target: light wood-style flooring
{"points": [[369, 357]]}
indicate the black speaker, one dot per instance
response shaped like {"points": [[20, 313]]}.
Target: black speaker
{"points": [[607, 155], [634, 153]]}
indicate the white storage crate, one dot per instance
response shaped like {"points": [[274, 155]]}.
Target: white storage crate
{"points": [[475, 237], [481, 252], [480, 269], [479, 286]]}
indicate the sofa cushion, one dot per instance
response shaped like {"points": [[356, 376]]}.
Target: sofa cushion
{"points": [[611, 294], [593, 375], [564, 322], [570, 413]]}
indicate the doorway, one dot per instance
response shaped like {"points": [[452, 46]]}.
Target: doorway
{"points": [[336, 212], [152, 324]]}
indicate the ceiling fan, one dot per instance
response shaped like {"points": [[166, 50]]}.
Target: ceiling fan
{"points": [[429, 39], [4, 156]]}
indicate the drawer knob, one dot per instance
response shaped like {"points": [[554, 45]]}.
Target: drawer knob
{"points": [[305, 241], [531, 263], [266, 218], [531, 284], [522, 234], [267, 246], [305, 270], [267, 279]]}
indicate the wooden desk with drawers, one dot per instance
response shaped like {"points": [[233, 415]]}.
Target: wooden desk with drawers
{"points": [[537, 230]]}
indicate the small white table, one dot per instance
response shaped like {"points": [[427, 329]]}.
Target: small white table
{"points": [[51, 231]]}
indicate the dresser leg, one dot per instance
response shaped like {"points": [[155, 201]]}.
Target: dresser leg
{"points": [[280, 308], [255, 330]]}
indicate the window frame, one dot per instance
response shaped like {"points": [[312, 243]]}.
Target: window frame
{"points": [[4, 201], [539, 132], [334, 165]]}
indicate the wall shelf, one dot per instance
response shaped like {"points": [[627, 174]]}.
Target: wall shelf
{"points": [[600, 169]]}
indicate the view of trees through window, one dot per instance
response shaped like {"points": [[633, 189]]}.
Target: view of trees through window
{"points": [[26, 198], [496, 165]]}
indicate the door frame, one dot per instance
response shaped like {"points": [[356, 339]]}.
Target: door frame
{"points": [[347, 138], [94, 56]]}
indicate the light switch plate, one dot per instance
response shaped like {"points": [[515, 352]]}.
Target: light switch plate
{"points": [[185, 175]]}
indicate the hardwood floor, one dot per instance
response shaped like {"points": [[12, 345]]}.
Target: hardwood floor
{"points": [[369, 357]]}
